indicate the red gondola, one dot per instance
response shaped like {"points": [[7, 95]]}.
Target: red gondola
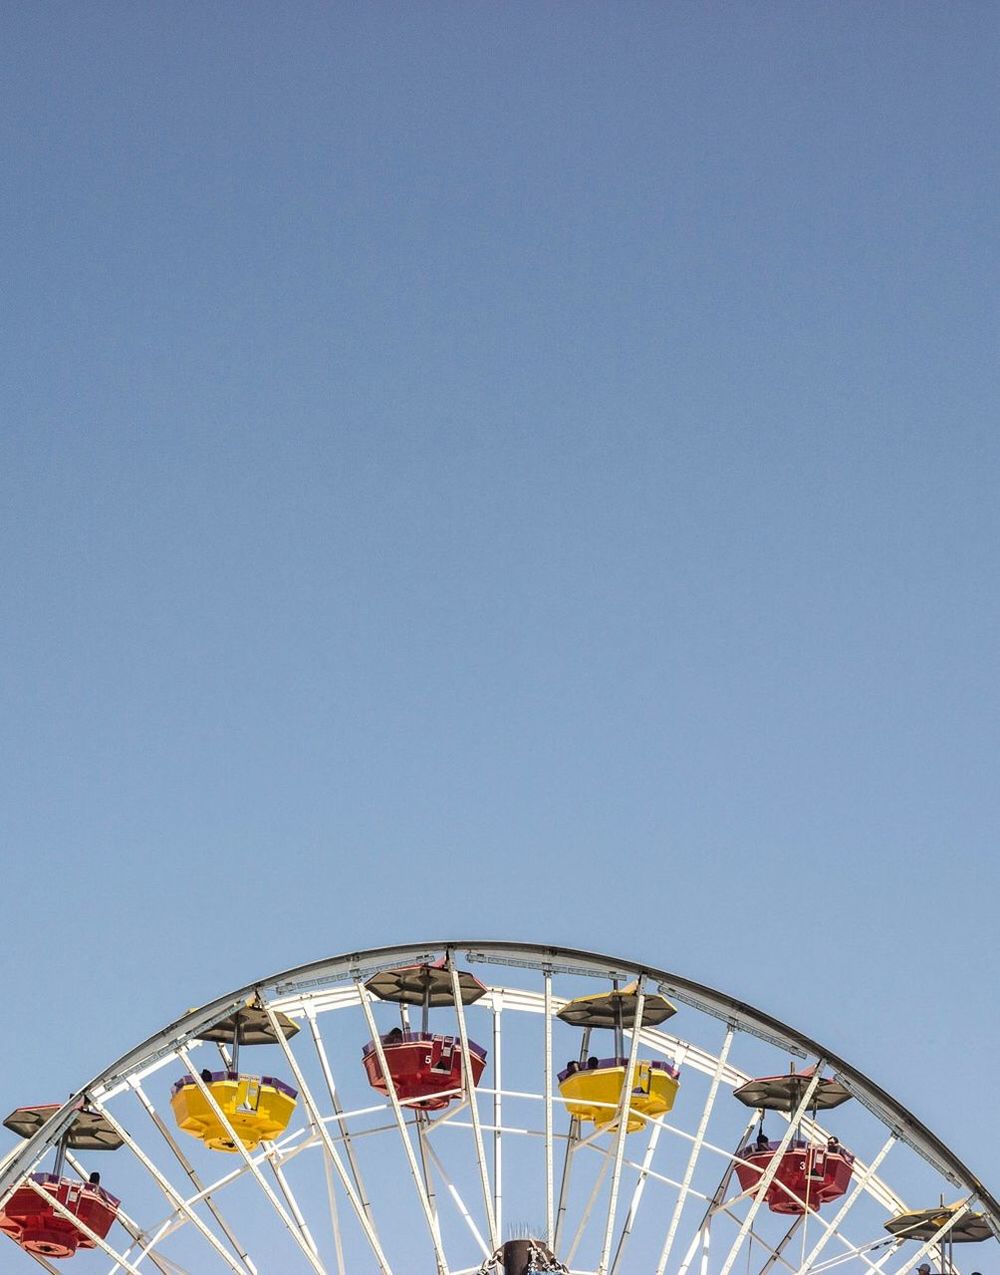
{"points": [[423, 1066], [35, 1224], [809, 1175], [30, 1217]]}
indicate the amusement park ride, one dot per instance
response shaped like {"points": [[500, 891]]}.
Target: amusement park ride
{"points": [[429, 1083]]}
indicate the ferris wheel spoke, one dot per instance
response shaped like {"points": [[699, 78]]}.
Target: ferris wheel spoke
{"points": [[589, 1208], [338, 1110], [127, 1224], [311, 1257], [695, 1151], [331, 1197], [624, 1110], [782, 1244], [772, 1168], [550, 1225], [97, 1241], [637, 1193], [469, 1087], [716, 1202], [193, 1176], [174, 1197], [420, 1121], [456, 1196], [284, 1187], [331, 1155], [497, 1117], [37, 1257], [397, 1110], [572, 1143], [833, 1226]]}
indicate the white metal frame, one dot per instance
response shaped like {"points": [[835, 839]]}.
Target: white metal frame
{"points": [[336, 1132]]}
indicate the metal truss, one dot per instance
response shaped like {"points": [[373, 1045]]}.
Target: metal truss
{"points": [[363, 1182]]}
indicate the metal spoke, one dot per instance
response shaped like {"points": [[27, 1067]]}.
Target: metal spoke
{"points": [[319, 1125], [97, 1240], [637, 1193], [695, 1152], [834, 1225], [254, 1168], [782, 1244], [324, 1062], [497, 1118], [397, 1112], [591, 1201], [572, 1141], [624, 1108], [772, 1168], [460, 1204], [173, 1195], [550, 1225], [716, 1202], [194, 1178], [469, 1087], [121, 1217]]}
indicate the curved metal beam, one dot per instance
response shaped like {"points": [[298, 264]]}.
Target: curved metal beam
{"points": [[350, 965]]}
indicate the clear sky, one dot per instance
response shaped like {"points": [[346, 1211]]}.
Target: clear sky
{"points": [[526, 470]]}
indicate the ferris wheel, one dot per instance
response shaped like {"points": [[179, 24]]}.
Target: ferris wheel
{"points": [[484, 1108]]}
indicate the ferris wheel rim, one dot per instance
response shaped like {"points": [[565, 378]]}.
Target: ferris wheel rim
{"points": [[740, 1014]]}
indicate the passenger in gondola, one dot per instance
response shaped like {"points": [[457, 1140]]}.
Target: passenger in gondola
{"points": [[94, 1179], [394, 1037], [592, 1062], [833, 1144], [206, 1075], [572, 1066]]}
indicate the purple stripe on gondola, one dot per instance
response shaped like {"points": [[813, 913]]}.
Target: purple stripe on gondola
{"points": [[604, 1064], [234, 1075], [422, 1038]]}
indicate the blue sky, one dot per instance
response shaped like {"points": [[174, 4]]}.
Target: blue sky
{"points": [[515, 470]]}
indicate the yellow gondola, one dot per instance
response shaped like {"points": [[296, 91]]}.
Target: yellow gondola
{"points": [[595, 1092], [257, 1108], [594, 1088]]}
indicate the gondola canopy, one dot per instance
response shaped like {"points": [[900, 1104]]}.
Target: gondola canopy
{"points": [[924, 1224], [785, 1093], [253, 1025], [90, 1130], [429, 985], [616, 1009]]}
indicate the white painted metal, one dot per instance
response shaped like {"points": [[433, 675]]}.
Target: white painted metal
{"points": [[251, 1164], [319, 1125], [172, 1194], [497, 1119], [189, 1170], [621, 1133], [768, 1176], [469, 1088], [119, 1258], [520, 1117], [404, 1134], [694, 1153], [550, 1221], [831, 1227]]}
